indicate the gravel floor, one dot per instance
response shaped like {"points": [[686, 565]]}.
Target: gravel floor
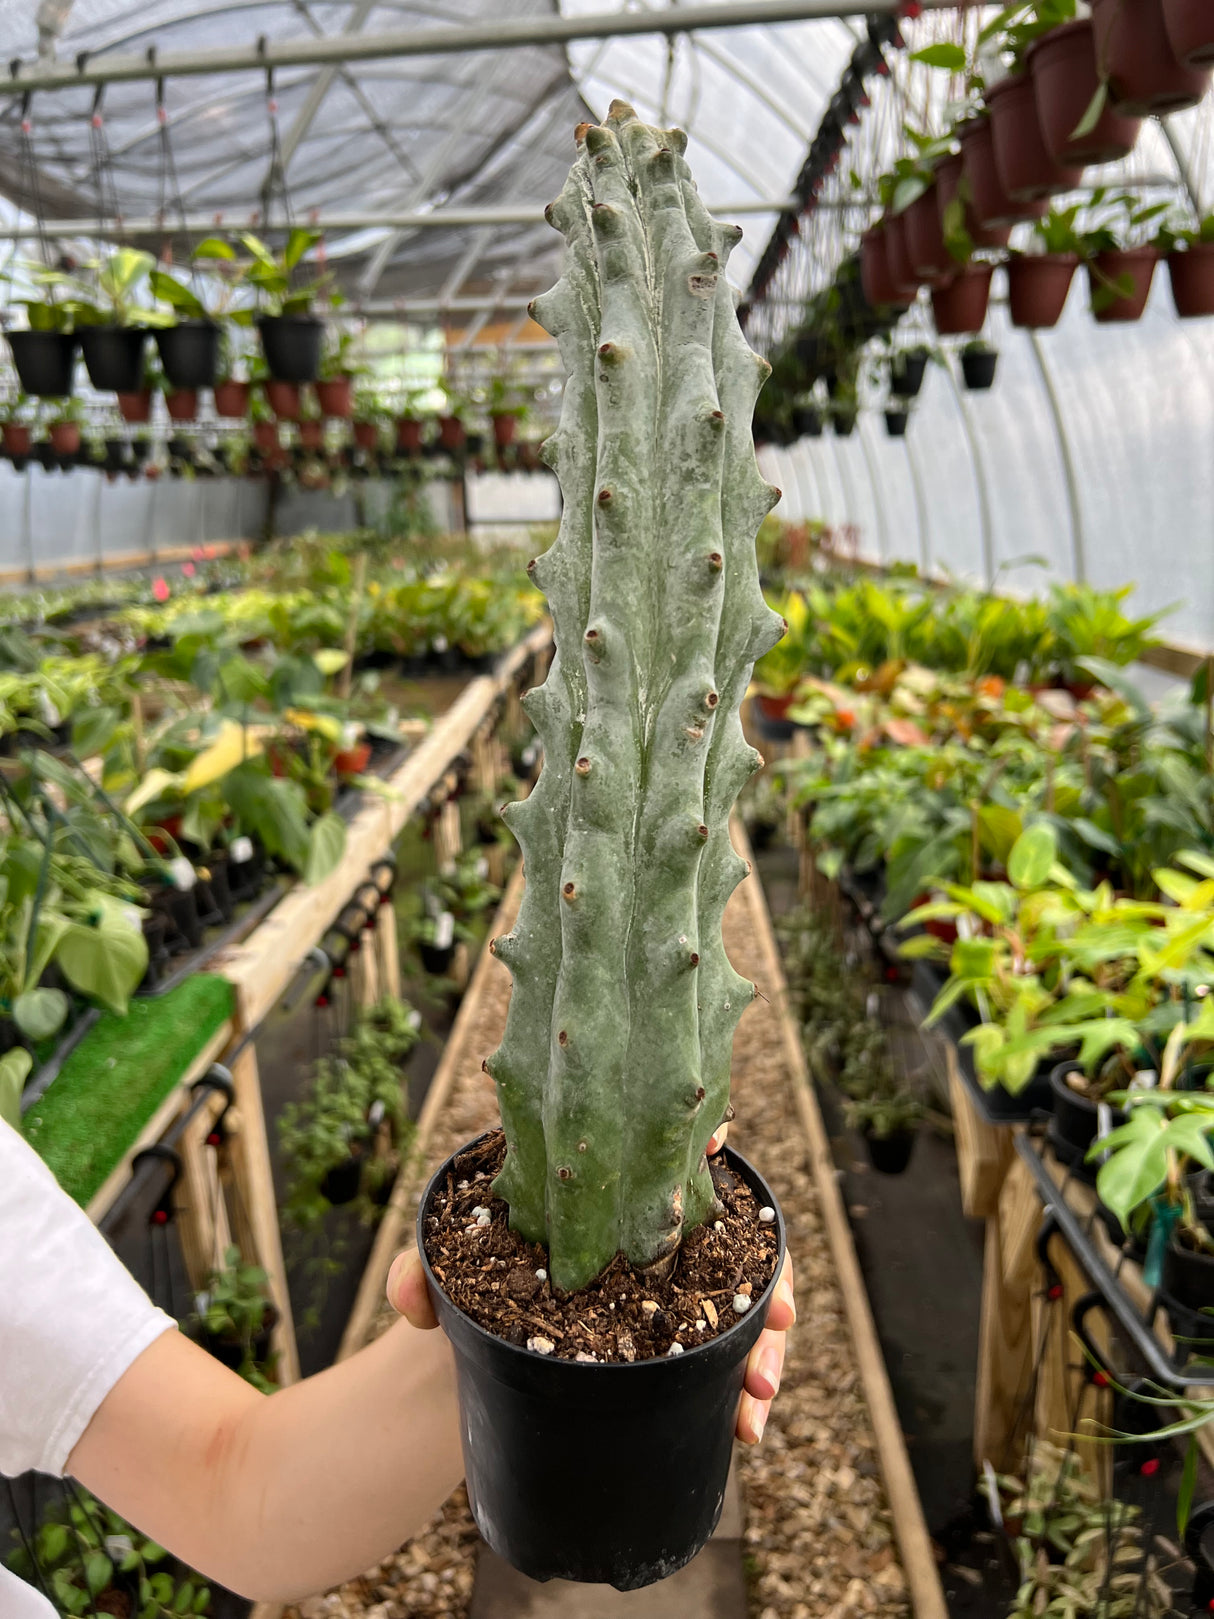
{"points": [[818, 1536]]}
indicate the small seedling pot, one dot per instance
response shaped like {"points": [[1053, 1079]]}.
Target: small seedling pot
{"points": [[65, 436], [312, 435], [352, 761], [807, 421], [1037, 288], [890, 1155], [1192, 276], [245, 875], [1074, 1123], [770, 717], [843, 420], [265, 437], [189, 353], [1026, 169], [1062, 65], [291, 345], [898, 255], [451, 435], [408, 435], [906, 373], [335, 396], [366, 435], [232, 399], [44, 362], [978, 368], [113, 357], [17, 439], [283, 399], [1106, 269], [1190, 28], [602, 1473]]}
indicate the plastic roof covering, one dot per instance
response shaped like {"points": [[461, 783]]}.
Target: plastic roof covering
{"points": [[401, 135]]}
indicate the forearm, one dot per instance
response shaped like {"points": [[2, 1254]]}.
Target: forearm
{"points": [[281, 1497]]}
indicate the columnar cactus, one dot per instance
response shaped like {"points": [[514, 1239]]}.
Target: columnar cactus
{"points": [[614, 1068]]}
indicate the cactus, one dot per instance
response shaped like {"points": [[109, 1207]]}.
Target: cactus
{"points": [[613, 1071]]}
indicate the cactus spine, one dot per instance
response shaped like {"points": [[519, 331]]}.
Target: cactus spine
{"points": [[614, 1068]]}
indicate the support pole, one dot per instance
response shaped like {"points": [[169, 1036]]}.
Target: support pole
{"points": [[874, 479], [1074, 505], [980, 484], [922, 520]]}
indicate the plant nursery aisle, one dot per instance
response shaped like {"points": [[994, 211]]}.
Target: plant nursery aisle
{"points": [[819, 1539]]}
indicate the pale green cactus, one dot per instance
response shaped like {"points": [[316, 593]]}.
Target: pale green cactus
{"points": [[614, 1068]]}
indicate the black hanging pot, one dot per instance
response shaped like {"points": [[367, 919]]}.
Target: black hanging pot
{"points": [[291, 345], [189, 353], [113, 356], [896, 422], [891, 1154], [845, 421], [44, 362], [978, 368], [907, 372], [436, 959], [44, 454], [1074, 1123], [807, 421], [341, 1183], [605, 1473]]}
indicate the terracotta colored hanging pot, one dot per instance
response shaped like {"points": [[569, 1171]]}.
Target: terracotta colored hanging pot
{"points": [[64, 437], [232, 399], [335, 396], [1135, 263], [17, 439], [959, 307], [896, 254], [283, 399], [182, 404], [876, 280], [1135, 54], [1190, 26], [366, 435], [504, 424], [1192, 274], [265, 437], [949, 173], [135, 407], [451, 434], [1062, 66], [930, 260], [408, 435], [311, 435], [1037, 287], [991, 206], [1026, 169]]}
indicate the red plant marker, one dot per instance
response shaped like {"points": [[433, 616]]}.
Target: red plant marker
{"points": [[160, 589], [188, 569], [1150, 1467]]}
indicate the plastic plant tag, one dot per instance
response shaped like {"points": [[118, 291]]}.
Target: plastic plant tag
{"points": [[872, 1005], [1165, 1217], [1104, 1120], [992, 1493], [133, 918], [415, 1019], [181, 874], [444, 930], [375, 1114], [241, 851]]}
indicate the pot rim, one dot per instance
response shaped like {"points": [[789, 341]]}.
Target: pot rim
{"points": [[1064, 31], [686, 1359], [289, 320]]}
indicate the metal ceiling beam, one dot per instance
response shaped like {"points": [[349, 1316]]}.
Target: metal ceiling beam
{"points": [[498, 34]]}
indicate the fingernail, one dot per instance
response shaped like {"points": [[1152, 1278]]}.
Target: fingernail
{"points": [[760, 1422], [769, 1369]]}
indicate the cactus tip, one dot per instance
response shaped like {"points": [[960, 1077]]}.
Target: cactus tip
{"points": [[711, 699], [569, 891], [702, 831], [564, 1173], [715, 561], [694, 958], [604, 496], [582, 1145], [562, 1038], [582, 766], [580, 133], [493, 947]]}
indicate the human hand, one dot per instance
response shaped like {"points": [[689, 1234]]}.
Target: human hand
{"points": [[407, 1291], [766, 1361]]}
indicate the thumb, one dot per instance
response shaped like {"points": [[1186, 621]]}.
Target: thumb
{"points": [[407, 1291]]}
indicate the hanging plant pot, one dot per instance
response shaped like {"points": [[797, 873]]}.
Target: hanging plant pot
{"points": [[1134, 51], [1062, 66], [898, 257], [949, 173], [17, 439], [65, 437], [844, 420], [876, 280], [1026, 168], [136, 406], [891, 1154], [807, 421], [436, 959], [44, 362], [1133, 267], [1190, 27], [930, 260], [451, 435], [341, 1183], [113, 357], [660, 1431], [959, 308], [408, 435], [265, 437], [991, 206], [283, 399], [1037, 287], [291, 345], [182, 404], [189, 353], [230, 1352], [311, 435], [335, 396], [44, 454], [1192, 274], [907, 371], [978, 368], [366, 435], [896, 422], [504, 424], [232, 399]]}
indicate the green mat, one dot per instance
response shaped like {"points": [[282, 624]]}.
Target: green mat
{"points": [[117, 1077]]}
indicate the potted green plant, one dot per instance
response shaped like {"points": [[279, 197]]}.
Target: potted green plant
{"points": [[907, 369], [113, 321], [452, 434], [1079, 122], [978, 361], [290, 333], [897, 419], [888, 1120], [1189, 251], [930, 258], [190, 348], [1027, 168], [959, 304], [507, 409], [44, 353], [63, 428], [235, 1316], [1120, 255], [616, 955], [369, 416], [991, 206], [335, 384], [1038, 282]]}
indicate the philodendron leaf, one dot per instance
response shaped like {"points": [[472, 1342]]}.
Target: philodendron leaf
{"points": [[234, 744], [1092, 113], [1137, 1163], [154, 785], [15, 1068], [326, 845], [329, 660], [39, 1013], [942, 55], [108, 961], [1033, 855]]}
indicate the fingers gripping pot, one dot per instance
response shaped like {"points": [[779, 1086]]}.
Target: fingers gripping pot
{"points": [[605, 1473], [614, 1067]]}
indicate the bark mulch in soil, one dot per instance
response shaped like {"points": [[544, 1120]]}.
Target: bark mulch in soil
{"points": [[501, 1280], [818, 1540]]}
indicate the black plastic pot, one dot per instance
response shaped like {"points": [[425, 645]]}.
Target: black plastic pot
{"points": [[155, 930], [845, 422], [895, 422], [434, 960], [291, 345], [179, 907], [214, 896], [654, 1439], [341, 1183], [1074, 1124], [44, 362], [1186, 1289], [890, 1155], [807, 421], [246, 877], [906, 373], [978, 368], [113, 357], [230, 1351], [189, 353]]}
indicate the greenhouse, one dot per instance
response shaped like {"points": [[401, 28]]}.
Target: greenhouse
{"points": [[607, 826]]}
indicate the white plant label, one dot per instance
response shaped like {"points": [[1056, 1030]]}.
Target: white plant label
{"points": [[241, 851], [132, 918], [444, 931], [182, 874]]}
